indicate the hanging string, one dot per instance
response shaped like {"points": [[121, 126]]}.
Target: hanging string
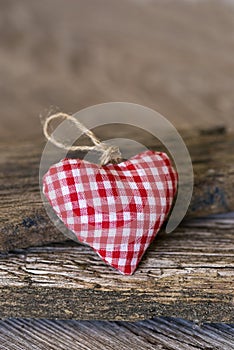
{"points": [[110, 154]]}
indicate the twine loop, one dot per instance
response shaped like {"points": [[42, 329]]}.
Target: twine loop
{"points": [[110, 154]]}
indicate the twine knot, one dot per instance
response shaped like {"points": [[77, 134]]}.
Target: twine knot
{"points": [[111, 154]]}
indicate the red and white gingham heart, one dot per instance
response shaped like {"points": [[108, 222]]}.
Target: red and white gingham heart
{"points": [[118, 208]]}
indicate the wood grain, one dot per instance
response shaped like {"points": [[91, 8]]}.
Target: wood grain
{"points": [[187, 274], [24, 221], [156, 334]]}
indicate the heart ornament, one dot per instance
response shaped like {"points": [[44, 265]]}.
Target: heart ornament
{"points": [[117, 209]]}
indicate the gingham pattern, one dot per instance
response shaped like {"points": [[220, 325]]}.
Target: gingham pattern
{"points": [[117, 209]]}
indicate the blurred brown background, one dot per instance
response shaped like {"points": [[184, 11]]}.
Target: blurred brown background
{"points": [[174, 56]]}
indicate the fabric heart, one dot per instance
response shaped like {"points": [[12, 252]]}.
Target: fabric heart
{"points": [[117, 209]]}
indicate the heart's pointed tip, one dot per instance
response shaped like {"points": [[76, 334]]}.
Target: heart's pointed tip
{"points": [[125, 271], [130, 273]]}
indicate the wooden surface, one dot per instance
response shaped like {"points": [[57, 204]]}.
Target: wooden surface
{"points": [[155, 334], [189, 80], [186, 274], [24, 221]]}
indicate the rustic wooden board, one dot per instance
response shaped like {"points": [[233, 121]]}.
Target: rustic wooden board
{"points": [[186, 274], [158, 333], [24, 221]]}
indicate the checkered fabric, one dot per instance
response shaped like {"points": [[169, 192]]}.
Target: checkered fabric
{"points": [[117, 209]]}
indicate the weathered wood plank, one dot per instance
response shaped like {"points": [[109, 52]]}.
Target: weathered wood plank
{"points": [[24, 221], [158, 333], [187, 274]]}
